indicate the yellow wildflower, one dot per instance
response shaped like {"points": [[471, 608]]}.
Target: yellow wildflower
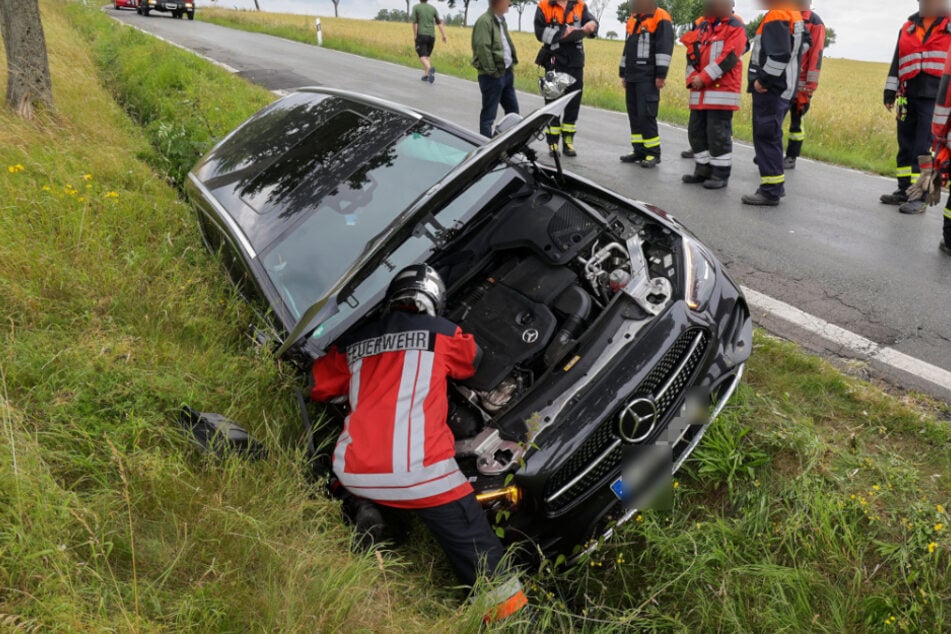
{"points": [[676, 484], [87, 177], [112, 195], [46, 188], [875, 487], [940, 509], [13, 169], [639, 518], [938, 527], [932, 546]]}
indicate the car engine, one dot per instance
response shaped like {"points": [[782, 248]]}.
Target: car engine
{"points": [[527, 289]]}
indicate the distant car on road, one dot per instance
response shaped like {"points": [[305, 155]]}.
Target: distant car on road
{"points": [[177, 8], [611, 336], [125, 4]]}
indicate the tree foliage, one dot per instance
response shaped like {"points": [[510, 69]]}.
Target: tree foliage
{"points": [[392, 15]]}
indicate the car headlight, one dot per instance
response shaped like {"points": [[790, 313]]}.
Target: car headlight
{"points": [[701, 275]]}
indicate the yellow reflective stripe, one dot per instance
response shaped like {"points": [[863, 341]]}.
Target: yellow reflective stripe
{"points": [[773, 180], [568, 128], [554, 130], [947, 213], [904, 172], [637, 139], [655, 142], [797, 136]]}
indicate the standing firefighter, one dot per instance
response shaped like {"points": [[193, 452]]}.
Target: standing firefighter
{"points": [[773, 78], [645, 63], [911, 90], [396, 448], [936, 167], [561, 26], [715, 49], [808, 83]]}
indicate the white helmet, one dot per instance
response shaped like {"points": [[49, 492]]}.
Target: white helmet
{"points": [[554, 84]]}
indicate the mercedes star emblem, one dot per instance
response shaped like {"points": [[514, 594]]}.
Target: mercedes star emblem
{"points": [[637, 420]]}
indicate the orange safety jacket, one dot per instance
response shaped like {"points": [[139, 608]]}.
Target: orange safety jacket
{"points": [[720, 46], [920, 53], [941, 125], [649, 47], [777, 52], [812, 59], [551, 21]]}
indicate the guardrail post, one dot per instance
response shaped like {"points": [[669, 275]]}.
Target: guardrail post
{"points": [[320, 34]]}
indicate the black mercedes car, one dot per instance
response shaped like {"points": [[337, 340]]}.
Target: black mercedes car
{"points": [[612, 337]]}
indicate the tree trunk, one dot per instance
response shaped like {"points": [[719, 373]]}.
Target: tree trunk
{"points": [[28, 68], [407, 8], [465, 13], [336, 11], [257, 7]]}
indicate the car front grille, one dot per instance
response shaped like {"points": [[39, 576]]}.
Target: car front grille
{"points": [[600, 455]]}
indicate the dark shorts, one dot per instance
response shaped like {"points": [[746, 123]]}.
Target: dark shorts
{"points": [[424, 45]]}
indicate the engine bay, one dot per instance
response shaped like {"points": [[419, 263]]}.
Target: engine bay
{"points": [[528, 284]]}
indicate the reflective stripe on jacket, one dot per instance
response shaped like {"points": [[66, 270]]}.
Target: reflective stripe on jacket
{"points": [[812, 59], [777, 52], [941, 124], [721, 45], [649, 47], [920, 53], [396, 447], [551, 21]]}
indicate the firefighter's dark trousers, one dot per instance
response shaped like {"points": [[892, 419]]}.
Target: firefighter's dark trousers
{"points": [[567, 126], [769, 112], [463, 531], [797, 132], [914, 140], [710, 133], [947, 224], [643, 101]]}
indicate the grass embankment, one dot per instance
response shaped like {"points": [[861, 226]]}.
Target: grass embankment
{"points": [[818, 503], [847, 124]]}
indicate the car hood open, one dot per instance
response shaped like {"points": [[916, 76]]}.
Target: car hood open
{"points": [[478, 162]]}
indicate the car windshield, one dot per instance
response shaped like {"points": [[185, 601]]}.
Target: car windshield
{"points": [[413, 250], [316, 251]]}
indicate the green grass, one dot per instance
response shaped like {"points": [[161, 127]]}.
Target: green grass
{"points": [[812, 505], [847, 124]]}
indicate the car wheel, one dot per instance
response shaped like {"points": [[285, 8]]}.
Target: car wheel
{"points": [[191, 15], [115, 5], [145, 12]]}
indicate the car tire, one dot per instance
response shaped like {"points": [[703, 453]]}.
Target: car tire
{"points": [[115, 6], [145, 12], [191, 15]]}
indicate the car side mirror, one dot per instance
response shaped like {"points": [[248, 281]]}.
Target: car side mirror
{"points": [[506, 123]]}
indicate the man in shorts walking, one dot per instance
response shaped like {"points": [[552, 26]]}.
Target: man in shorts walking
{"points": [[425, 19]]}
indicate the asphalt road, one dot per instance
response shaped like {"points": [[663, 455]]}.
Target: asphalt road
{"points": [[830, 249]]}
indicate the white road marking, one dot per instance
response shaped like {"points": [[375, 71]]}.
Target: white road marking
{"points": [[848, 340], [856, 344]]}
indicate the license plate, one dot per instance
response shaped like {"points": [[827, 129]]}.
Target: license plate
{"points": [[617, 487]]}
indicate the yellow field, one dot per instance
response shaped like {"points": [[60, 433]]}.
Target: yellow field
{"points": [[847, 124]]}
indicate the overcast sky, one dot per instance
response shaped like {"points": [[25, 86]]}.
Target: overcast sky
{"points": [[867, 29]]}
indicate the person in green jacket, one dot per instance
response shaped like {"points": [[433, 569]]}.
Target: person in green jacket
{"points": [[493, 55]]}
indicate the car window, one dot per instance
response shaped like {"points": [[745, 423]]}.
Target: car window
{"points": [[417, 248], [308, 258]]}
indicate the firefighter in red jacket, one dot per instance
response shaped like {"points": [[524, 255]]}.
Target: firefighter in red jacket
{"points": [[808, 82], [562, 26], [936, 167], [396, 448], [773, 80], [645, 62], [911, 90], [715, 49]]}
